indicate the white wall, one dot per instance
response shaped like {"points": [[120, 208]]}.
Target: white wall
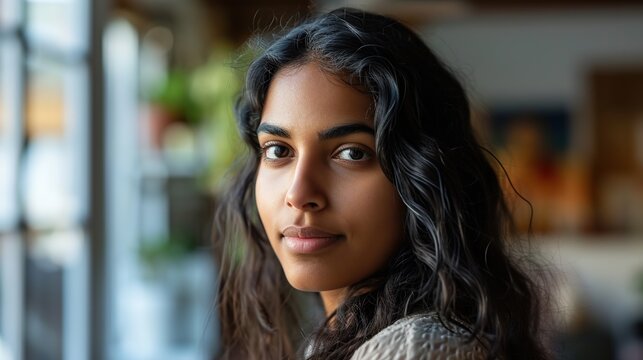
{"points": [[540, 57]]}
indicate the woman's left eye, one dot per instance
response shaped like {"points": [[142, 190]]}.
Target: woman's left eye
{"points": [[353, 154]]}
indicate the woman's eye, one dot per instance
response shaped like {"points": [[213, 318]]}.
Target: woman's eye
{"points": [[353, 154], [275, 152]]}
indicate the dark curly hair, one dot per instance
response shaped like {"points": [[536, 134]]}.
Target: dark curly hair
{"points": [[454, 262]]}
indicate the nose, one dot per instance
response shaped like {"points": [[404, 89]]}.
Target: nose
{"points": [[306, 191]]}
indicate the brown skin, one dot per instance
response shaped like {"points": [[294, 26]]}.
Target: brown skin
{"points": [[331, 184]]}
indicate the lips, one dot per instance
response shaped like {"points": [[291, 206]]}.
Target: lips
{"points": [[308, 240], [306, 232]]}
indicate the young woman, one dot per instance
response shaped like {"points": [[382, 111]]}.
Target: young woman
{"points": [[365, 184]]}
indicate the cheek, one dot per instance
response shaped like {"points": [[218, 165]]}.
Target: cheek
{"points": [[375, 211], [270, 189], [264, 197]]}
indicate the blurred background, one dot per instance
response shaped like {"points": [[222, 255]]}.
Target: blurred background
{"points": [[116, 127]]}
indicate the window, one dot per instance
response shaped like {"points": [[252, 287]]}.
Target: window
{"points": [[47, 219]]}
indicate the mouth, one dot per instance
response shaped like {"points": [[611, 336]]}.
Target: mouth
{"points": [[308, 240]]}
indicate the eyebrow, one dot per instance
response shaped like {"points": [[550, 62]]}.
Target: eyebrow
{"points": [[343, 130], [273, 130], [331, 133]]}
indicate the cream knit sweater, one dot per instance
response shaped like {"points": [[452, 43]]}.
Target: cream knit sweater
{"points": [[419, 337]]}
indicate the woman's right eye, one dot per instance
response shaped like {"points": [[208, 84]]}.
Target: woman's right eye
{"points": [[275, 152]]}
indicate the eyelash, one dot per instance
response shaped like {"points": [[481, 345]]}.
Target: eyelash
{"points": [[366, 153], [269, 145]]}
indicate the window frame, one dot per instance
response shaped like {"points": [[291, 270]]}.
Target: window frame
{"points": [[84, 280]]}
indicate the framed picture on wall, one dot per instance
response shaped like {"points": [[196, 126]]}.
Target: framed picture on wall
{"points": [[545, 187]]}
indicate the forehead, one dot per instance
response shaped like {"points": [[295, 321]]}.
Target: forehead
{"points": [[308, 96]]}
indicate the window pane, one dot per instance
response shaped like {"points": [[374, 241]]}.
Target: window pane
{"points": [[11, 295], [62, 23], [9, 13], [3, 121], [44, 327], [10, 131], [49, 257], [56, 295], [45, 99], [53, 172]]}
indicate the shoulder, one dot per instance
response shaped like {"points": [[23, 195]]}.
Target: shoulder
{"points": [[419, 337]]}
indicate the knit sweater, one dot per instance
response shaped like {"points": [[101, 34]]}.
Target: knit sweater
{"points": [[419, 337]]}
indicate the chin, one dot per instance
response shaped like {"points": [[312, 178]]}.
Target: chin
{"points": [[309, 283], [306, 284]]}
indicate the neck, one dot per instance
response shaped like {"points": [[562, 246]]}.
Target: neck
{"points": [[332, 299]]}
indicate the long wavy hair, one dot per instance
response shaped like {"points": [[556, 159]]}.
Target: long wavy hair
{"points": [[454, 262]]}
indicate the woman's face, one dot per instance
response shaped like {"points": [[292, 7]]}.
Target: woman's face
{"points": [[331, 215]]}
